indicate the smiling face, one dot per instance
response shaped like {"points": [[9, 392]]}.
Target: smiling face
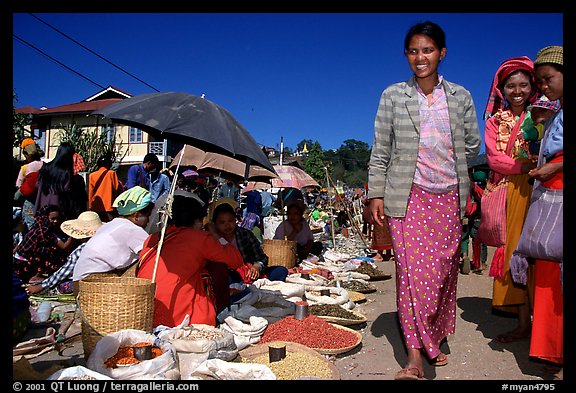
{"points": [[517, 89], [424, 56]]}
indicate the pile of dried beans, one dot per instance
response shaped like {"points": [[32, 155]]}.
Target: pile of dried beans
{"points": [[312, 331]]}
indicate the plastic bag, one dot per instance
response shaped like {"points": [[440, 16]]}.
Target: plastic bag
{"points": [[220, 370], [245, 333], [78, 372], [164, 366]]}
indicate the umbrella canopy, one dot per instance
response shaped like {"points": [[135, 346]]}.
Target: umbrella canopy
{"points": [[210, 162], [288, 177], [188, 119]]}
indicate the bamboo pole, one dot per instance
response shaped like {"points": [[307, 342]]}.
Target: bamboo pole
{"points": [[331, 208], [350, 218], [166, 212]]}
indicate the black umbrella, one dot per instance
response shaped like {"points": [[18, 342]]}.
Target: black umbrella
{"points": [[188, 119]]}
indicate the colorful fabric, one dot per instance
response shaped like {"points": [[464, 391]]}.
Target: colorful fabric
{"points": [[65, 271], [506, 295], [250, 247], [496, 99], [547, 339], [250, 220], [26, 141], [396, 142], [498, 133], [79, 165], [545, 103], [381, 238], [38, 253], [103, 187], [427, 253], [132, 200], [435, 165]]}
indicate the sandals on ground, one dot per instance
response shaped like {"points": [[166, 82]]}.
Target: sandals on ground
{"points": [[409, 373], [440, 360]]}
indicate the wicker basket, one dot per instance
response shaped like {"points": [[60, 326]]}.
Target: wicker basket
{"points": [[280, 252], [109, 304]]}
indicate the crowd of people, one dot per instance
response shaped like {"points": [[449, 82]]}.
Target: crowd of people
{"points": [[424, 214], [421, 205], [115, 228]]}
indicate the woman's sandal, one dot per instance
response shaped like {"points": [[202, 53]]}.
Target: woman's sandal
{"points": [[440, 360], [409, 373]]}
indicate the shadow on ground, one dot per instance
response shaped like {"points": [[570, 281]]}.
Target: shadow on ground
{"points": [[491, 322]]}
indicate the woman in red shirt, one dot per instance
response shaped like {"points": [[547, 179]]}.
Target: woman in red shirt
{"points": [[183, 285]]}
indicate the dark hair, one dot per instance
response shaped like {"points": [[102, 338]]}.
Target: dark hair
{"points": [[152, 158], [58, 172], [556, 66], [222, 208], [186, 210], [105, 160], [428, 28]]}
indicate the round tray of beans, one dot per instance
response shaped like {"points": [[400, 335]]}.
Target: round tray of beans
{"points": [[358, 286], [314, 332], [300, 362], [357, 297], [337, 314]]}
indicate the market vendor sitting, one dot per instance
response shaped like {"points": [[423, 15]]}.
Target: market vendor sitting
{"points": [[116, 244], [255, 259], [191, 263], [296, 228]]}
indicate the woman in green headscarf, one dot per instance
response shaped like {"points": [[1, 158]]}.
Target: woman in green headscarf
{"points": [[117, 244]]}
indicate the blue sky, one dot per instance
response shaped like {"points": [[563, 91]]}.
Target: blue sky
{"points": [[294, 76]]}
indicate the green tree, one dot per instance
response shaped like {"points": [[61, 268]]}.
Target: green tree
{"points": [[348, 162], [19, 121], [314, 164], [91, 144]]}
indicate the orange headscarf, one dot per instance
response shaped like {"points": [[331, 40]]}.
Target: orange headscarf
{"points": [[496, 99], [26, 142]]}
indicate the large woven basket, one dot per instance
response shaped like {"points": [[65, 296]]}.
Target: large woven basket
{"points": [[280, 252], [111, 303]]}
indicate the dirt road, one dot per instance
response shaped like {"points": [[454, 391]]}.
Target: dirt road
{"points": [[473, 353]]}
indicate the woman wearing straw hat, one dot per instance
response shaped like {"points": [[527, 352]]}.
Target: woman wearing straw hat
{"points": [[82, 229], [117, 244]]}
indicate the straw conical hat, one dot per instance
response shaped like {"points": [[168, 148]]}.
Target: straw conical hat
{"points": [[84, 226]]}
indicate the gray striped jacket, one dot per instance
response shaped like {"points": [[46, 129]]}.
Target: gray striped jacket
{"points": [[396, 139]]}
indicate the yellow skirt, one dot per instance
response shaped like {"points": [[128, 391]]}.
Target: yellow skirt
{"points": [[507, 295]]}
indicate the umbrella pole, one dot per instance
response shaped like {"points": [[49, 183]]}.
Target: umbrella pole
{"points": [[331, 215], [283, 220], [166, 212]]}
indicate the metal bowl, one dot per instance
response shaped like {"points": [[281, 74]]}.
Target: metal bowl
{"points": [[143, 352]]}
